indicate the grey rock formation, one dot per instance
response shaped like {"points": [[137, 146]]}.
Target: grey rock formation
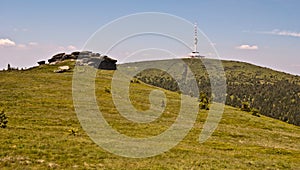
{"points": [[86, 58]]}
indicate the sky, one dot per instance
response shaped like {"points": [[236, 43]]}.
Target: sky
{"points": [[261, 32]]}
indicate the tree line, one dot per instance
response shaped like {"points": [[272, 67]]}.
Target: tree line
{"points": [[270, 93]]}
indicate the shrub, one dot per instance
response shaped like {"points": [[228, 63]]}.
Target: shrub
{"points": [[255, 112], [135, 80], [203, 106], [107, 90], [246, 107], [73, 131], [3, 119], [203, 101]]}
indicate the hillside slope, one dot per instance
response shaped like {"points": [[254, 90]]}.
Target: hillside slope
{"points": [[274, 94], [44, 132]]}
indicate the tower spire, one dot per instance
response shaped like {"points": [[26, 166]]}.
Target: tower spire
{"points": [[195, 37], [195, 52]]}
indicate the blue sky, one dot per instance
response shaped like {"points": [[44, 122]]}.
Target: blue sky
{"points": [[263, 32]]}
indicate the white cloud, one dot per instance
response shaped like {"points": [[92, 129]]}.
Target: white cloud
{"points": [[283, 33], [32, 43], [21, 45], [7, 43], [20, 29], [29, 45], [247, 47], [67, 49], [71, 47]]}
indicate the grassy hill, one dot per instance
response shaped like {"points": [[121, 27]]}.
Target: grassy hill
{"points": [[43, 131], [272, 93]]}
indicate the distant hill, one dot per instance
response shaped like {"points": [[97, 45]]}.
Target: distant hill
{"points": [[272, 93]]}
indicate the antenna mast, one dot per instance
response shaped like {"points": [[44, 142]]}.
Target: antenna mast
{"points": [[195, 53], [195, 38]]}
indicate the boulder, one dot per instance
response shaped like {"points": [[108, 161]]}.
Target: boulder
{"points": [[107, 63], [62, 69], [75, 53], [69, 56], [41, 62], [57, 57]]}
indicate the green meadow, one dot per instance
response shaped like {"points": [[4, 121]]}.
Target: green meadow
{"points": [[43, 131]]}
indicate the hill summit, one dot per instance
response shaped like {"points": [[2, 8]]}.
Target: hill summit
{"points": [[271, 93]]}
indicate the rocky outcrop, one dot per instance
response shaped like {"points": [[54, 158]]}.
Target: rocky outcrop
{"points": [[57, 57], [63, 56], [86, 58], [100, 62]]}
